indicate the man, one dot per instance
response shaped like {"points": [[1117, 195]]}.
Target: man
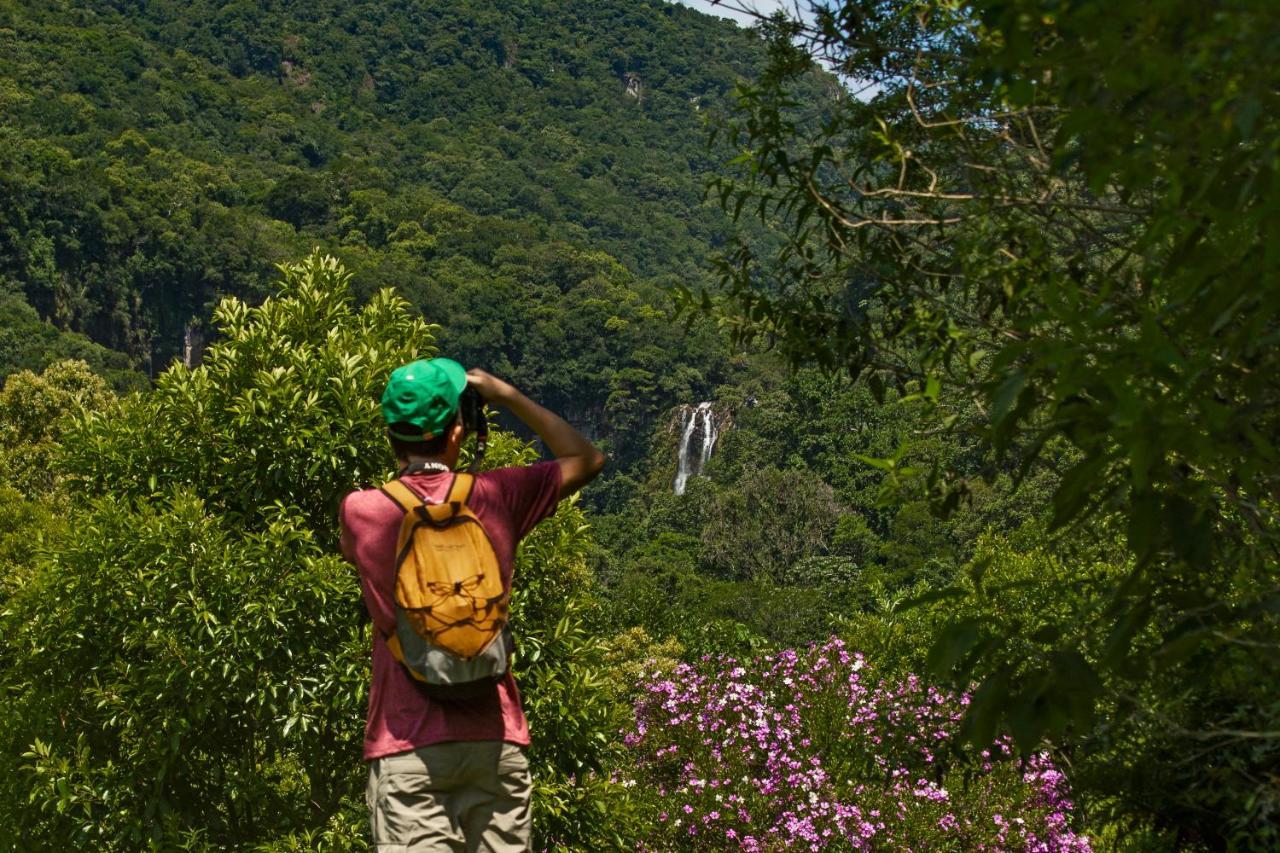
{"points": [[451, 775]]}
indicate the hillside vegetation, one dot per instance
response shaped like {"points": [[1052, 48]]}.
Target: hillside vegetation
{"points": [[486, 159]]}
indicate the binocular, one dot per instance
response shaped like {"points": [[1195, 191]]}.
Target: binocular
{"points": [[474, 418]]}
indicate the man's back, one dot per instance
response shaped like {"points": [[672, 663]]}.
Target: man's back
{"points": [[508, 502], [451, 775]]}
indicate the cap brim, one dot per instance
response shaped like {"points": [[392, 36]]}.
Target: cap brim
{"points": [[413, 433]]}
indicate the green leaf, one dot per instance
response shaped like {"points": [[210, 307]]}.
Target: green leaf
{"points": [[985, 708], [1026, 722], [1145, 519], [1079, 488], [954, 641], [931, 596], [1002, 400], [978, 570], [880, 463]]}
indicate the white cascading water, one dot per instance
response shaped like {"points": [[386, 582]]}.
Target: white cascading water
{"points": [[709, 436], [687, 464], [192, 345]]}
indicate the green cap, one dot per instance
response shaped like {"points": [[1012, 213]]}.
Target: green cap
{"points": [[423, 394]]}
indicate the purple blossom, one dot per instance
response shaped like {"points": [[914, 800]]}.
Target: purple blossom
{"points": [[805, 749]]}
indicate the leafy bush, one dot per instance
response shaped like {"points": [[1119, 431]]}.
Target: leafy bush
{"points": [[283, 409], [34, 410], [186, 677], [187, 666]]}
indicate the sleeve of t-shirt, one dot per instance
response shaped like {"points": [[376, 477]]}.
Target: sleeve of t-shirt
{"points": [[370, 527], [346, 541], [528, 494]]}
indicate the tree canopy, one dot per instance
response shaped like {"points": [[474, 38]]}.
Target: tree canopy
{"points": [[1055, 224]]}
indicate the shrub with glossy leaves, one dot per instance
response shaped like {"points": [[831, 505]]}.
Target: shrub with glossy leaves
{"points": [[194, 678], [188, 666], [283, 409], [34, 409]]}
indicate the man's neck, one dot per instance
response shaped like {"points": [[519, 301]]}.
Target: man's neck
{"points": [[427, 464]]}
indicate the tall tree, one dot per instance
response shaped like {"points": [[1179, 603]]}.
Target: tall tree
{"points": [[1065, 214], [186, 666]]}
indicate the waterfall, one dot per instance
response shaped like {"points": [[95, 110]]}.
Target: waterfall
{"points": [[708, 435], [687, 464], [682, 460], [192, 345]]}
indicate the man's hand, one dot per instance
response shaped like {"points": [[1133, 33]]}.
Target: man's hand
{"points": [[580, 460], [493, 389]]}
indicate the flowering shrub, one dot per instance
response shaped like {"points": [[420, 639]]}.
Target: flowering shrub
{"points": [[806, 749]]}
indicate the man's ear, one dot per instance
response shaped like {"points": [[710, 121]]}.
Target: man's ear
{"points": [[399, 457], [456, 432]]}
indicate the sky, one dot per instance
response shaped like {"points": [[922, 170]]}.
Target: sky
{"points": [[859, 90], [721, 11]]}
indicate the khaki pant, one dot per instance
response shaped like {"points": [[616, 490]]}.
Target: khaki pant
{"points": [[459, 796]]}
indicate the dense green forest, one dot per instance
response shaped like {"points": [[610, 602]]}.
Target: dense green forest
{"points": [[941, 504], [485, 159]]}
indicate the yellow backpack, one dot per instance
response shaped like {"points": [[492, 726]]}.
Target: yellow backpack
{"points": [[451, 607]]}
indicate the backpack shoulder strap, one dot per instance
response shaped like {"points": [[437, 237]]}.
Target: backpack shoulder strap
{"points": [[404, 497], [455, 500], [460, 489]]}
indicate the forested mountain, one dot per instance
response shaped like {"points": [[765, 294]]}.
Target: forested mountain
{"points": [[531, 175]]}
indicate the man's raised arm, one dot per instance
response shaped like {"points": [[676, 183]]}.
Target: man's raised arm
{"points": [[580, 460]]}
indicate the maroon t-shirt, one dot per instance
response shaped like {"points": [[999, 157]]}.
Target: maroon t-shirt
{"points": [[508, 502]]}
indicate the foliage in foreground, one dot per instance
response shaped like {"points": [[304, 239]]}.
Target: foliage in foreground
{"points": [[187, 666], [1055, 222]]}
